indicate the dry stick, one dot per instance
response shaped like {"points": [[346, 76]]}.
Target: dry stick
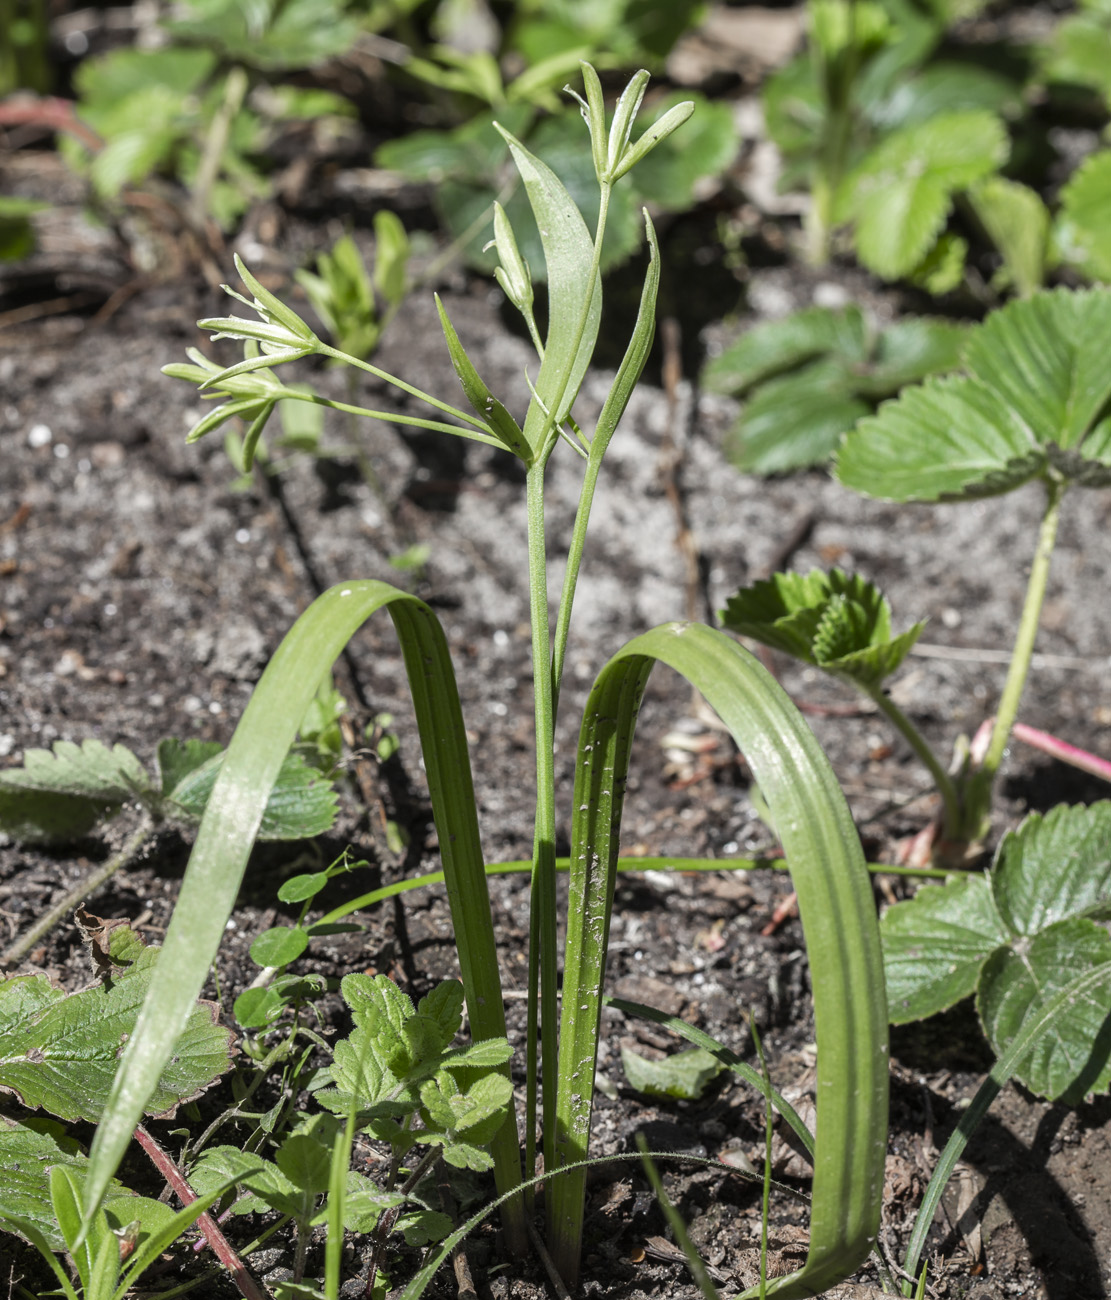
{"points": [[222, 1248], [77, 895]]}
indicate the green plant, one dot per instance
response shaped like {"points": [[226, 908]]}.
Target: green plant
{"points": [[1031, 405], [810, 812], [188, 110], [58, 796], [810, 377], [883, 135]]}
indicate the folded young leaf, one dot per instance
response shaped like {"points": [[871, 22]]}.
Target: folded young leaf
{"points": [[839, 622], [1082, 232], [1016, 936], [60, 1051]]}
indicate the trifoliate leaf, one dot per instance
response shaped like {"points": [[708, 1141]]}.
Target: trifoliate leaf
{"points": [[838, 622], [901, 194], [684, 1075], [60, 1051], [1016, 937]]}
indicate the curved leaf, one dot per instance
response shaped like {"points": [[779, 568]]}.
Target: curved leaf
{"points": [[838, 915], [1082, 233], [234, 815]]}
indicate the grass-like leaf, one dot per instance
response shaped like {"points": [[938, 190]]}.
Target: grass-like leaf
{"points": [[234, 815], [838, 917]]}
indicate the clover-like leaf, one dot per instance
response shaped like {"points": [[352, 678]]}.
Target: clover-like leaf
{"points": [[900, 195], [839, 622], [1015, 937], [60, 1051]]}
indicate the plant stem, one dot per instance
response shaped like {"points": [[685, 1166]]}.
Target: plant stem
{"points": [[221, 1247], [950, 795], [216, 141], [978, 799], [542, 1012], [77, 895]]}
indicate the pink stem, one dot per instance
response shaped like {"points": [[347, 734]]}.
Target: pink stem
{"points": [[1061, 749], [221, 1247]]}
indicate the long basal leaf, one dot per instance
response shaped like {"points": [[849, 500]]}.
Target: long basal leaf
{"points": [[234, 814], [838, 914], [574, 302]]}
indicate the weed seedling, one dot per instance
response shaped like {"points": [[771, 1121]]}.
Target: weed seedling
{"points": [[561, 1048]]}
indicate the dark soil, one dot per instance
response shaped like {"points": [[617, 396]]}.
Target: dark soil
{"points": [[142, 592]]}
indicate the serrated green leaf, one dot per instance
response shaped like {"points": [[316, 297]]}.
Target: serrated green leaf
{"points": [[480, 1056], [423, 1226], [444, 1006], [216, 1165], [1055, 867], [1082, 235], [838, 622], [770, 349], [29, 1148], [574, 296], [901, 194], [1047, 358], [935, 945], [942, 269], [1079, 52], [949, 439], [60, 795], [911, 349], [177, 759], [305, 1162], [1072, 1058], [795, 421], [684, 1075], [302, 804], [60, 1051]]}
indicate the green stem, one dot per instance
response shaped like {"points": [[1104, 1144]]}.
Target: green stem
{"points": [[215, 144], [325, 350], [542, 922], [1027, 629], [391, 417], [978, 799], [574, 564], [77, 895], [950, 795]]}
